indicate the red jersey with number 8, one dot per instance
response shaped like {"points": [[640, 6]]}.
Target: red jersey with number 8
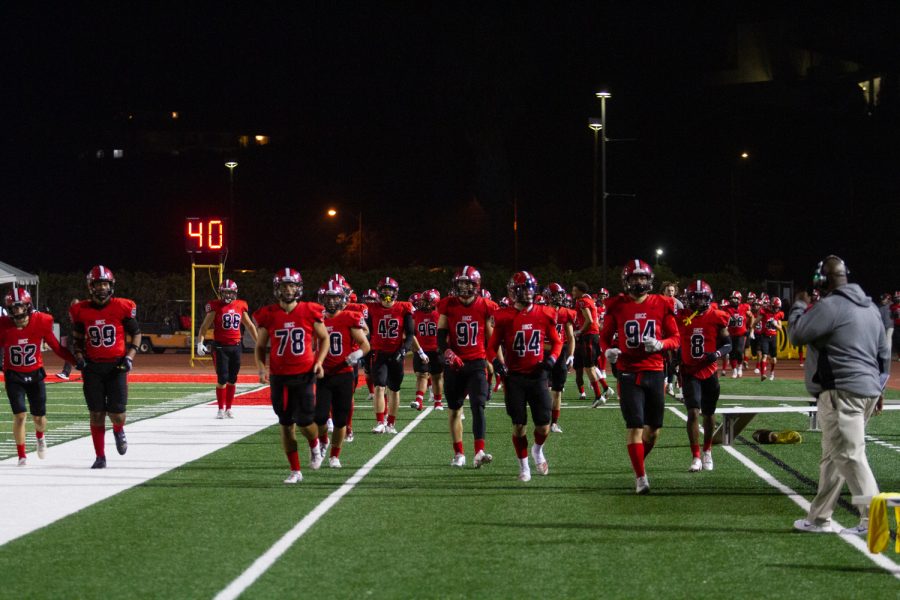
{"points": [[227, 322], [633, 322], [103, 331], [699, 335], [291, 336], [340, 340], [22, 347], [467, 326]]}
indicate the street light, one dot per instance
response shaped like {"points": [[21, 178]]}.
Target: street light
{"points": [[595, 125], [659, 252], [603, 94], [231, 164], [736, 193], [332, 212]]}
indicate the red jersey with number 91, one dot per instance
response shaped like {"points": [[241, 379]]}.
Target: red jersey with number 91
{"points": [[387, 325], [103, 331], [426, 329], [227, 322], [291, 336], [467, 326], [22, 347], [699, 335], [633, 322], [340, 340]]}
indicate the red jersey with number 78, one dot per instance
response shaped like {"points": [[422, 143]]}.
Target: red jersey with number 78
{"points": [[467, 326], [22, 347], [340, 340], [291, 336], [227, 322], [522, 334], [104, 334], [699, 335], [633, 322]]}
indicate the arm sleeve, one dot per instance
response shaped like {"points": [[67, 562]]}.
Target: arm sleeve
{"points": [[555, 340], [442, 339], [131, 327], [409, 329], [493, 342]]}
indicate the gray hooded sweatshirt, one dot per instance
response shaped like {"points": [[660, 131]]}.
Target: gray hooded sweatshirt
{"points": [[847, 347]]}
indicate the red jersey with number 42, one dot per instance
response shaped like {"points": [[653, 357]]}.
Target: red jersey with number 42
{"points": [[426, 329], [340, 340], [22, 347], [467, 325], [699, 335], [633, 321], [291, 336], [522, 334], [588, 303], [227, 322], [737, 319], [387, 325], [103, 331]]}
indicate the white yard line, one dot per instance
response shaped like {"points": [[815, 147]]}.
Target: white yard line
{"points": [[264, 562], [63, 483], [854, 540]]}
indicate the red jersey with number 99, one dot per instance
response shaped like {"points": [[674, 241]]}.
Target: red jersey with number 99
{"points": [[227, 322], [386, 327], [340, 340], [426, 329], [522, 334], [104, 335], [633, 322], [291, 336], [22, 347], [699, 335], [467, 326]]}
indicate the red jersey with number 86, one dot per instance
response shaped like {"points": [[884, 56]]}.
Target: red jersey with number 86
{"points": [[104, 334], [227, 322], [291, 336]]}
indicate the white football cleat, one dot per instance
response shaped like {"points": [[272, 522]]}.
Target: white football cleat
{"points": [[323, 448], [706, 459], [555, 428], [734, 374], [609, 393], [598, 401], [415, 405], [756, 370], [329, 425], [641, 485], [294, 477], [229, 414], [438, 405], [379, 428], [42, 448], [481, 458], [696, 465], [459, 460], [771, 376], [861, 530], [371, 398], [740, 372], [315, 458], [334, 462], [582, 396], [525, 475], [542, 467], [220, 414], [349, 437], [22, 462], [390, 429]]}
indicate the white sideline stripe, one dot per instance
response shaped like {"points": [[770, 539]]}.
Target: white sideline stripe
{"points": [[854, 540], [63, 484], [882, 443], [264, 562]]}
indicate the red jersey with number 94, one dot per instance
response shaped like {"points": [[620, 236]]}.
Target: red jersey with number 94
{"points": [[467, 325], [291, 336], [227, 322], [104, 335], [633, 322], [699, 335]]}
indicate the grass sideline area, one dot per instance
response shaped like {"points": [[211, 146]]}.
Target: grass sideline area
{"points": [[415, 527]]}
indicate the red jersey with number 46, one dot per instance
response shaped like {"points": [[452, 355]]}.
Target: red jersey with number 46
{"points": [[22, 347], [340, 340], [291, 336], [467, 325], [387, 325], [426, 329], [227, 322], [522, 334], [633, 321], [588, 303], [699, 335], [737, 319], [103, 330]]}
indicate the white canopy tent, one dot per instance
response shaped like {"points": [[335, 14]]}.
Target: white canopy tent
{"points": [[10, 274]]}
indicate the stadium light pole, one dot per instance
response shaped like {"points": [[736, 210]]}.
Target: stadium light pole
{"points": [[595, 125], [230, 165], [736, 191], [359, 253], [659, 252], [603, 94]]}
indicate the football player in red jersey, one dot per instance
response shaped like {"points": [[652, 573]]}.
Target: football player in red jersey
{"points": [[106, 336], [369, 298], [347, 343], [426, 363], [226, 314], [600, 301], [766, 325], [739, 317], [465, 324], [587, 346], [645, 326], [704, 341], [294, 329], [522, 331], [363, 309], [565, 317], [393, 334], [21, 335]]}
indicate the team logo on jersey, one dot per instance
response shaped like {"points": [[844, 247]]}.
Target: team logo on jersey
{"points": [[25, 341], [640, 315], [527, 326], [100, 322], [289, 324], [467, 317], [698, 330]]}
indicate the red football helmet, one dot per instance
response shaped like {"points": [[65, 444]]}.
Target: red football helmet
{"points": [[370, 295], [776, 303], [570, 301], [699, 295], [602, 294], [556, 294], [736, 297], [467, 282], [635, 268], [751, 297], [352, 296], [505, 301], [725, 303], [522, 287], [415, 299], [100, 293], [897, 296], [485, 294], [429, 300], [281, 282], [344, 283], [18, 303], [333, 296], [228, 290], [388, 289]]}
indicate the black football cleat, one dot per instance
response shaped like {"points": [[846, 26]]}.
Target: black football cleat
{"points": [[100, 463], [121, 442]]}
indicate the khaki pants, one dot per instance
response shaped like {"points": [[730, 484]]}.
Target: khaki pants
{"points": [[842, 417]]}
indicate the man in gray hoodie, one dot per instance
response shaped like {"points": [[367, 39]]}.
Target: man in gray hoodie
{"points": [[846, 370]]}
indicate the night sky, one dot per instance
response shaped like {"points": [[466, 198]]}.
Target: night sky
{"points": [[433, 118]]}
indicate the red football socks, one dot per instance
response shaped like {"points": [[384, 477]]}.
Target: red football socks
{"points": [[98, 432], [479, 445], [20, 449], [707, 446], [595, 385], [335, 451], [695, 450], [457, 448], [604, 384], [294, 459], [323, 440], [636, 454], [391, 419], [220, 397], [313, 442], [379, 417], [371, 386], [540, 438], [438, 397], [39, 435], [521, 446], [229, 396], [554, 415], [118, 427]]}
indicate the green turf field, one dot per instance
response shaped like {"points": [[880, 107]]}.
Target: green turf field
{"points": [[416, 528]]}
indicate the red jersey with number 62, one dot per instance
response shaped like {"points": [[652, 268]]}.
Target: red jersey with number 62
{"points": [[22, 347], [426, 329], [387, 325], [104, 334], [291, 336], [633, 322], [467, 326], [699, 335], [522, 334], [227, 322], [340, 340]]}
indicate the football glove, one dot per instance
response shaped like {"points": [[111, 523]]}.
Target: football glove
{"points": [[80, 364], [548, 362], [452, 360], [401, 354], [423, 356], [570, 360], [612, 355], [124, 364], [201, 349], [499, 368], [712, 357], [354, 357], [651, 344]]}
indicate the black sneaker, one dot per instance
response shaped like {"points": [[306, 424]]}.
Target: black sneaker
{"points": [[100, 463], [121, 442]]}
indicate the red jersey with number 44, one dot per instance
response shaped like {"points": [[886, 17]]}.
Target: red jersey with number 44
{"points": [[103, 330], [699, 335], [22, 347], [227, 322], [467, 325], [387, 325], [522, 334], [291, 336], [586, 302], [633, 321], [340, 340], [426, 329]]}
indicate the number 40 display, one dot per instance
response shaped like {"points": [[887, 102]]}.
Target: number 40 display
{"points": [[205, 236]]}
